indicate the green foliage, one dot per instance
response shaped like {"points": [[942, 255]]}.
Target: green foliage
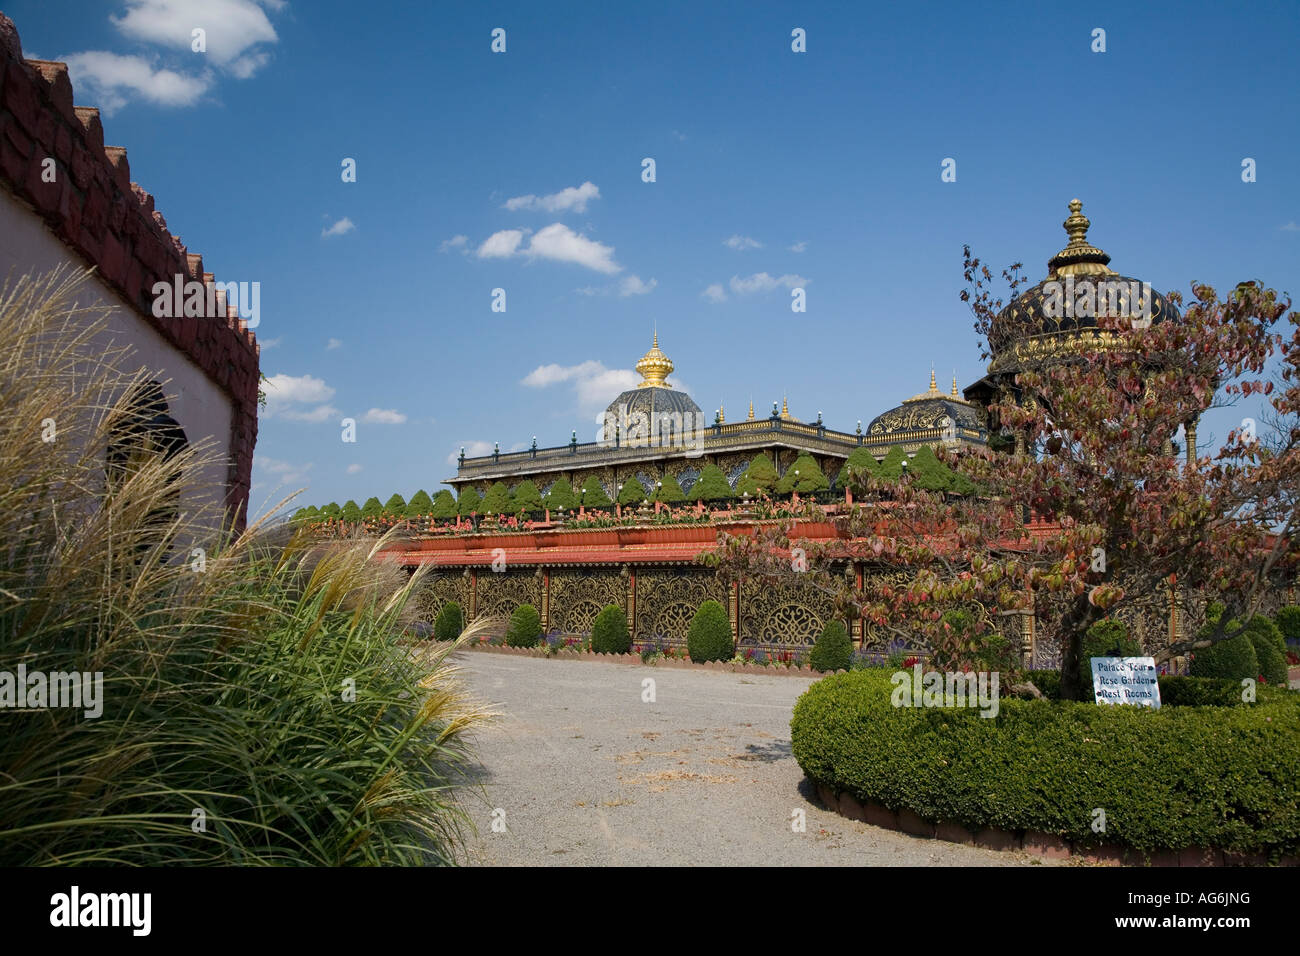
{"points": [[419, 505], [593, 495], [525, 627], [669, 491], [712, 485], [633, 493], [833, 650], [561, 496], [372, 508], [331, 510], [395, 506], [1231, 658], [809, 479], [1270, 650], [444, 505], [449, 622], [609, 633], [928, 472], [497, 501], [759, 478], [350, 512], [1287, 620], [527, 497], [469, 502], [1226, 777], [860, 464], [1108, 637], [892, 465], [709, 637]]}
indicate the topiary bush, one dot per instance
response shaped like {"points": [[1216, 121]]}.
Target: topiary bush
{"points": [[372, 509], [593, 494], [1270, 650], [609, 633], [497, 500], [709, 637], [444, 506], [1232, 658], [561, 495], [1108, 637], [525, 627], [350, 511], [892, 465], [449, 622], [712, 485], [929, 472], [419, 505], [632, 493], [833, 650], [669, 492], [1287, 620], [395, 506], [760, 478], [810, 477], [469, 503], [527, 497], [1226, 777]]}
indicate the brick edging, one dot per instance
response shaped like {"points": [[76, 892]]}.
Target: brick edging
{"points": [[1046, 845], [631, 658]]}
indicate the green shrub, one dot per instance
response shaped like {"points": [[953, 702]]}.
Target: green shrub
{"points": [[444, 506], [449, 622], [1231, 658], [497, 500], [892, 466], [833, 650], [609, 632], [372, 508], [1226, 777], [525, 627], [469, 502], [593, 494], [419, 505], [527, 497], [810, 477], [669, 492], [712, 485], [350, 511], [1270, 650], [561, 496], [928, 472], [760, 478], [1108, 637], [860, 463], [1287, 620], [1047, 682], [331, 510], [632, 493], [395, 506], [709, 637], [1199, 692]]}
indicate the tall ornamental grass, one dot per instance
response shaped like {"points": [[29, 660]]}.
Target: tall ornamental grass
{"points": [[259, 705]]}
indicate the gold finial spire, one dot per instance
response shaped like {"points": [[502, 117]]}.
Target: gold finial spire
{"points": [[954, 383], [1079, 257], [654, 367], [934, 386], [722, 413], [751, 408], [785, 408]]}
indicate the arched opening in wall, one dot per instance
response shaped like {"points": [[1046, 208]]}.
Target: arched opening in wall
{"points": [[147, 435]]}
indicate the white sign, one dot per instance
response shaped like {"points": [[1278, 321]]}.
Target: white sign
{"points": [[1126, 680]]}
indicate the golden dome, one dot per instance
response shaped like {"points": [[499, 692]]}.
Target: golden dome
{"points": [[654, 367]]}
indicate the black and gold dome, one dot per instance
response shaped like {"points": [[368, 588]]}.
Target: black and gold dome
{"points": [[654, 397], [931, 410], [1045, 317]]}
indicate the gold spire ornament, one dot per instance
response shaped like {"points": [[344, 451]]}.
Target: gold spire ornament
{"points": [[751, 408], [954, 384], [785, 409], [722, 413], [1079, 257], [654, 367]]}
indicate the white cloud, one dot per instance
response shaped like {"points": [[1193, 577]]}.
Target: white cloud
{"points": [[679, 136], [1290, 227], [632, 285], [799, 246], [354, 469], [384, 416], [343, 226], [741, 243], [111, 80], [762, 282], [573, 198], [269, 343], [715, 293], [501, 245], [455, 242], [333, 344], [286, 472], [593, 383], [473, 449], [559, 243], [287, 394], [234, 28]]}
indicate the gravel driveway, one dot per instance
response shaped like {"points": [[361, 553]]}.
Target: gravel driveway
{"points": [[587, 773]]}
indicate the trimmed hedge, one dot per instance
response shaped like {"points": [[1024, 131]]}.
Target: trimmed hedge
{"points": [[759, 478], [1270, 650], [833, 650], [469, 502], [609, 632], [669, 491], [632, 493], [420, 504], [1287, 620], [1225, 777], [712, 485], [561, 495], [891, 466], [1231, 659], [497, 500], [449, 622], [1105, 638], [810, 477], [525, 627], [444, 505], [709, 637], [527, 497], [593, 495]]}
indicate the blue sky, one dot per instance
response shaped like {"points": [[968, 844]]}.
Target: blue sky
{"points": [[822, 168]]}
